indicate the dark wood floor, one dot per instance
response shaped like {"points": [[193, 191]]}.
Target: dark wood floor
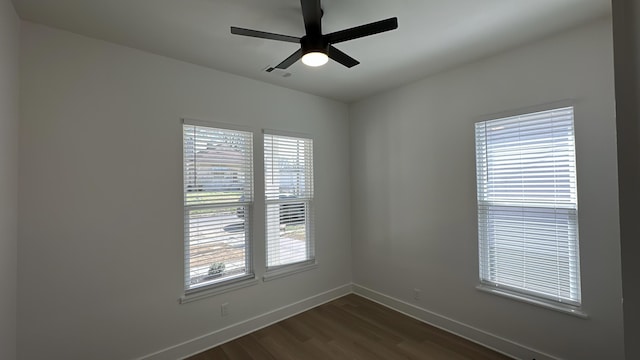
{"points": [[350, 327]]}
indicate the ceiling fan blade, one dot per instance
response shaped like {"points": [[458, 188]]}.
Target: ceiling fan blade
{"points": [[312, 15], [290, 60], [342, 58], [264, 35], [362, 30]]}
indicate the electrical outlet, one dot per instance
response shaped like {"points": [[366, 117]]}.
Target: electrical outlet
{"points": [[224, 309], [416, 294]]}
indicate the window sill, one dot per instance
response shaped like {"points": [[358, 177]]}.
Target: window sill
{"points": [[206, 292], [565, 309], [289, 270]]}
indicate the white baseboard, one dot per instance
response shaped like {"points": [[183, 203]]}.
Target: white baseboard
{"points": [[486, 339], [215, 338], [218, 337]]}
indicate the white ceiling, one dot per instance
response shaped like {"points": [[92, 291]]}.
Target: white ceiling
{"points": [[433, 35]]}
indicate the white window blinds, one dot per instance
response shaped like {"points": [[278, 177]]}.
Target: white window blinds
{"points": [[527, 205], [218, 194], [288, 166]]}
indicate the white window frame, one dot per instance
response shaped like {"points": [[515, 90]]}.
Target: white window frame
{"points": [[309, 262], [213, 287], [489, 282]]}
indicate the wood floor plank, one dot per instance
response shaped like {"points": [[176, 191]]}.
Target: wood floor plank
{"points": [[298, 329], [417, 350], [214, 354], [353, 328], [235, 350], [343, 334], [278, 350], [253, 347], [379, 339]]}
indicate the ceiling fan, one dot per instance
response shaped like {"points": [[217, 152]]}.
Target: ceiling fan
{"points": [[316, 48]]}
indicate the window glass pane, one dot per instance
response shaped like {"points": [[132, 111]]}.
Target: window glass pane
{"points": [[218, 165], [216, 248], [288, 167], [287, 233]]}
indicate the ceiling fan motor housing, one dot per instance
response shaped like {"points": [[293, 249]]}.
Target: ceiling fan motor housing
{"points": [[314, 43]]}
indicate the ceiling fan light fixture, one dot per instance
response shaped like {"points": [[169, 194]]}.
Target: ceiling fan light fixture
{"points": [[315, 58]]}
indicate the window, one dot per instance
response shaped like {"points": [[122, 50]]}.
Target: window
{"points": [[218, 196], [527, 206], [288, 167]]}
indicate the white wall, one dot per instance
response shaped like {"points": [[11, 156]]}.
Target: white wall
{"points": [[414, 196], [100, 253], [9, 106], [626, 32]]}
